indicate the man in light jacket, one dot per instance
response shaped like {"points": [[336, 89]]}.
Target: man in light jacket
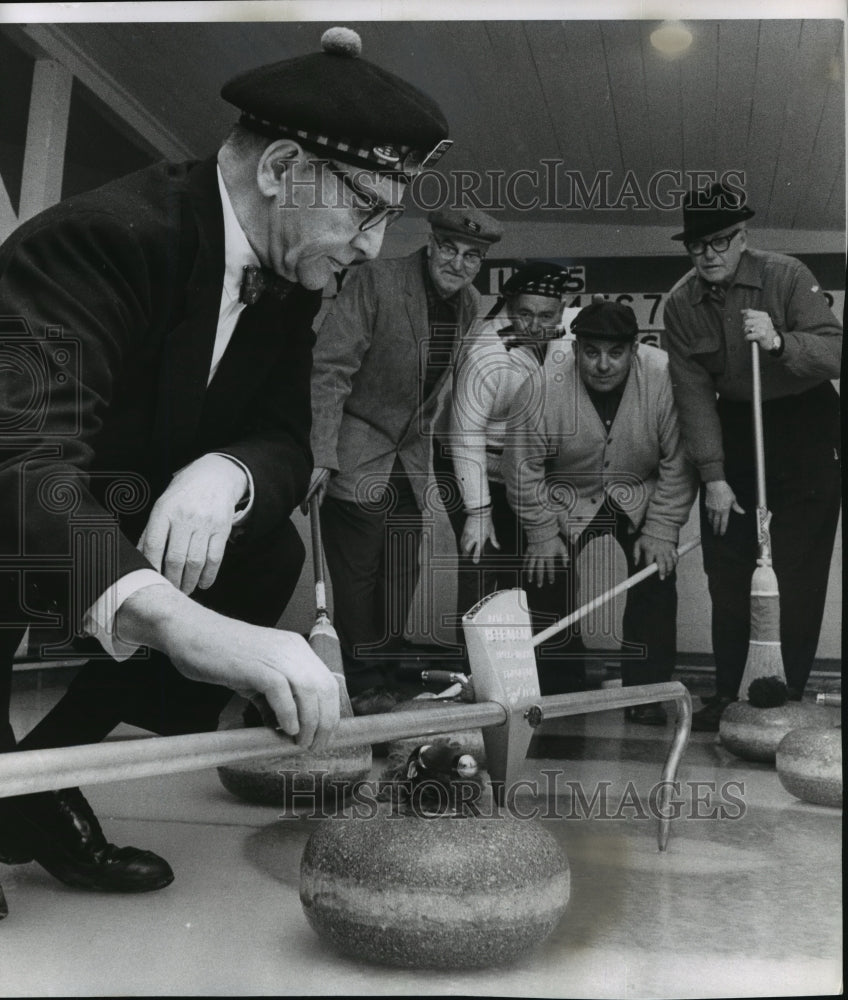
{"points": [[593, 448]]}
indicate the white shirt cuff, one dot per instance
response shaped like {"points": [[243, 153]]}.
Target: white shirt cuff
{"points": [[99, 620], [247, 498]]}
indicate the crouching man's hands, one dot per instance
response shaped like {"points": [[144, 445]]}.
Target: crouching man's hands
{"points": [[206, 646], [543, 558]]}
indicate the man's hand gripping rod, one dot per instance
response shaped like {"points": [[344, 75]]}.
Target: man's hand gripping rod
{"points": [[503, 665]]}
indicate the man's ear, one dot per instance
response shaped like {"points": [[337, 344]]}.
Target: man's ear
{"points": [[635, 346], [276, 160], [574, 347]]}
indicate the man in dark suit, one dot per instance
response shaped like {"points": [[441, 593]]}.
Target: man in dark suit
{"points": [[382, 362], [154, 424]]}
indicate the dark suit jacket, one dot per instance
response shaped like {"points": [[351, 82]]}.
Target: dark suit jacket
{"points": [[366, 396], [108, 311]]}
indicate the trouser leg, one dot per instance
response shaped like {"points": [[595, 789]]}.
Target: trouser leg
{"points": [[561, 659], [803, 486], [803, 528], [372, 557], [649, 625], [497, 568]]}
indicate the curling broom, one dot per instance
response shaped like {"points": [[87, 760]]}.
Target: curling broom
{"points": [[323, 638], [764, 656]]}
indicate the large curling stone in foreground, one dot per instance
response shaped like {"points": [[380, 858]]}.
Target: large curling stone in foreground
{"points": [[447, 892], [471, 740], [754, 733], [809, 765], [307, 780]]}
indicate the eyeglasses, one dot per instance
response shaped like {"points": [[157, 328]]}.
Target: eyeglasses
{"points": [[470, 259], [374, 209], [718, 244]]}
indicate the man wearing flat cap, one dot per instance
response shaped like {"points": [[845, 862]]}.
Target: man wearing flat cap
{"points": [[382, 364], [733, 297], [155, 424], [521, 335], [593, 448]]}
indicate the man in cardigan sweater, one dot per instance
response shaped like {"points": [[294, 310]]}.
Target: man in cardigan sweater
{"points": [[593, 448]]}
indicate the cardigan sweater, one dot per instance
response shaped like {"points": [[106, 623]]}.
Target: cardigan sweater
{"points": [[561, 463]]}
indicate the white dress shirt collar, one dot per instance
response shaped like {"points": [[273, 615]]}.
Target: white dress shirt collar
{"points": [[237, 251]]}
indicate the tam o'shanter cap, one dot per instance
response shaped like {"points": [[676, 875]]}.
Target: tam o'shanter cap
{"points": [[606, 321], [706, 212], [537, 278], [467, 223], [343, 107]]}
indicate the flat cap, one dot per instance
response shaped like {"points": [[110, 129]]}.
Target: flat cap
{"points": [[537, 278], [710, 211], [468, 223], [343, 107], [606, 321]]}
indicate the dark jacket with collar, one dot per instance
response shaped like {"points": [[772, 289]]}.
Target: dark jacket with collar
{"points": [[366, 386], [109, 304]]}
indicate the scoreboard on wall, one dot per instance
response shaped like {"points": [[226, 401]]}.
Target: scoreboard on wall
{"points": [[642, 283]]}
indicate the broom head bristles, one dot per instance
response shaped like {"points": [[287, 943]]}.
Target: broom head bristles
{"points": [[324, 643], [764, 656]]}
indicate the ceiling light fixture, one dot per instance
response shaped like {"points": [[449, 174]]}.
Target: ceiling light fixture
{"points": [[671, 39]]}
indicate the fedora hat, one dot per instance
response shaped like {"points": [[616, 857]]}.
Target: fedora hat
{"points": [[706, 212]]}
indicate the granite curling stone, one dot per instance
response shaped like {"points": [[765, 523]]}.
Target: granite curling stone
{"points": [[753, 729], [446, 892], [470, 739], [809, 765], [307, 780]]}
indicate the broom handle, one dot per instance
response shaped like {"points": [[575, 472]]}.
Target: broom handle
{"points": [[759, 449], [608, 595], [317, 558]]}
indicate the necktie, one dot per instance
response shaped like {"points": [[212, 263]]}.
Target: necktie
{"points": [[258, 280]]}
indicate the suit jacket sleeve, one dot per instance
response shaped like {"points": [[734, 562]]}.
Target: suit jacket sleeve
{"points": [[813, 338], [695, 394], [475, 391], [343, 340], [669, 506], [276, 448], [524, 464]]}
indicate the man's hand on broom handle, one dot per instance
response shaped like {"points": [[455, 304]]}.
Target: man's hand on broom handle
{"points": [[649, 549], [720, 500]]}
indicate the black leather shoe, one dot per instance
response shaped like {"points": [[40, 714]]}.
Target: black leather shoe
{"points": [[646, 715], [60, 831], [706, 719]]}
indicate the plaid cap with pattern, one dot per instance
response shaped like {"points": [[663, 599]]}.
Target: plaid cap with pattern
{"points": [[344, 108]]}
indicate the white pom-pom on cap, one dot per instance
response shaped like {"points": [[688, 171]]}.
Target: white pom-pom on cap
{"points": [[341, 42]]}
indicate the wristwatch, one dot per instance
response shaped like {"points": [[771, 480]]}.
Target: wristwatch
{"points": [[776, 348]]}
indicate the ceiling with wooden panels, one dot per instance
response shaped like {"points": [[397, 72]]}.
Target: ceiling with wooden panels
{"points": [[590, 99]]}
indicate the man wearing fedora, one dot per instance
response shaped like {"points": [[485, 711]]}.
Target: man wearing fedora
{"points": [[383, 361], [735, 296], [593, 448], [155, 425]]}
